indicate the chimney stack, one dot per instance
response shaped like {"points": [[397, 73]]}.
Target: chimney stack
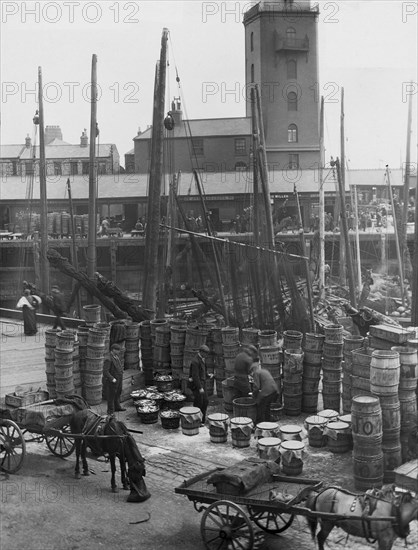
{"points": [[51, 133], [28, 142], [84, 140]]}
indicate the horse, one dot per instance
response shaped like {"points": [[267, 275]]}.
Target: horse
{"points": [[386, 503], [117, 443]]}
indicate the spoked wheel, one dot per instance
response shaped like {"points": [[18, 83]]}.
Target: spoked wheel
{"points": [[12, 447], [269, 521], [60, 445], [225, 526]]}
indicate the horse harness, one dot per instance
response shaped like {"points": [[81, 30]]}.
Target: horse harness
{"points": [[96, 428]]}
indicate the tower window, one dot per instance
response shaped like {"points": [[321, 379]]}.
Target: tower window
{"points": [[292, 133], [292, 101], [252, 41], [293, 161], [252, 72], [291, 69], [240, 146], [291, 36]]}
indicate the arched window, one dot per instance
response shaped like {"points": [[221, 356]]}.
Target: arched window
{"points": [[292, 101], [252, 72], [291, 36], [292, 133], [291, 69], [252, 41], [240, 166]]}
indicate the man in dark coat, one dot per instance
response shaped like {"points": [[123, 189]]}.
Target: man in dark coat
{"points": [[113, 376], [59, 307], [198, 377]]}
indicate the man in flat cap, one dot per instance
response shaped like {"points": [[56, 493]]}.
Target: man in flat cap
{"points": [[198, 377]]}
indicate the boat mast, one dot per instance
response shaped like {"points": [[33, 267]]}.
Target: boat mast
{"points": [[357, 236], [414, 316], [404, 240], [149, 294], [343, 241], [321, 201], [44, 264], [92, 214], [395, 226]]}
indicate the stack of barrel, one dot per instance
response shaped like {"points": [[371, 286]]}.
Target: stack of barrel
{"points": [[177, 341], [312, 364], [64, 349], [218, 360], [195, 337], [407, 397], [131, 354], [360, 375], [366, 425], [160, 335], [82, 336], [350, 343], [93, 373], [384, 383], [332, 366], [50, 343], [292, 372], [76, 367], [146, 351], [230, 347]]}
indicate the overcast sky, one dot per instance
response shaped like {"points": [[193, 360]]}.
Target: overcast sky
{"points": [[368, 47]]}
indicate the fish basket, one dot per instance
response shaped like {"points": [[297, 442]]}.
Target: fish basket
{"points": [[170, 421], [164, 385], [146, 417]]}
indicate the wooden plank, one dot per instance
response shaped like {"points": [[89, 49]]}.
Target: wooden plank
{"points": [[406, 476]]}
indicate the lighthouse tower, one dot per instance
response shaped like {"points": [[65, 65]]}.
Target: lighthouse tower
{"points": [[281, 56]]}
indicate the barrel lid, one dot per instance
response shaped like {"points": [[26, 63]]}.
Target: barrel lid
{"points": [[269, 442], [290, 429], [338, 425], [267, 426], [292, 445], [218, 416], [413, 342], [241, 420], [189, 410], [315, 419], [346, 418], [365, 399], [329, 413]]}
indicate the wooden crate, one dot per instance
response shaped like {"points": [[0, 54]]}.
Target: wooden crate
{"points": [[406, 476], [397, 335], [133, 379], [25, 399]]}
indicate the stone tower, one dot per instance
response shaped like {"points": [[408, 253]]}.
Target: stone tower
{"points": [[281, 55]]}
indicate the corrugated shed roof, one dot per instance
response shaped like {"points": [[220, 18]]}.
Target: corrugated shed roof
{"points": [[116, 186], [207, 127], [373, 177], [11, 151]]}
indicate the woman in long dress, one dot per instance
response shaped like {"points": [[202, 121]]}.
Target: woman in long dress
{"points": [[29, 303]]}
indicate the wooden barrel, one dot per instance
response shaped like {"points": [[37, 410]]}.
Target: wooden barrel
{"points": [[145, 329], [64, 385], [315, 426], [289, 432], [162, 335], [368, 470], [249, 336], [178, 335], [230, 351], [266, 429], [312, 357], [334, 333], [63, 358], [132, 331], [333, 349], [96, 352], [293, 361], [161, 354], [408, 407], [332, 400], [268, 448], [267, 338], [333, 376], [154, 323], [360, 386], [230, 335], [241, 428], [311, 371], [391, 415], [97, 337], [338, 436], [276, 410], [65, 340], [93, 394], [292, 403], [292, 457], [352, 342], [310, 385], [92, 313], [218, 427], [330, 415], [246, 407], [313, 342], [292, 339], [384, 372], [190, 418], [392, 458], [310, 402], [49, 352], [270, 355], [195, 337], [366, 416], [330, 363]]}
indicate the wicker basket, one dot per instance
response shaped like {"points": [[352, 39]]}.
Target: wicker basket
{"points": [[164, 385], [148, 417], [170, 423]]}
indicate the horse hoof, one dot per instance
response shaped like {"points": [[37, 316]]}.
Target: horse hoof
{"points": [[86, 473], [115, 490], [77, 475]]}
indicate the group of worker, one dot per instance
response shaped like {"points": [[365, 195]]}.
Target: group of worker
{"points": [[250, 380]]}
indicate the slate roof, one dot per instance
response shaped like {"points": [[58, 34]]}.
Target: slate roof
{"points": [[11, 151], [207, 127], [131, 186], [68, 151]]}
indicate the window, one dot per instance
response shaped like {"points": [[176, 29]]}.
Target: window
{"points": [[102, 168], [86, 168], [292, 101], [252, 72], [291, 36], [197, 145], [57, 169], [252, 41], [293, 162], [74, 168], [292, 133], [291, 69], [240, 167], [240, 146]]}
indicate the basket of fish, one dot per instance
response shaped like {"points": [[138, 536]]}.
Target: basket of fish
{"points": [[174, 400], [147, 410], [170, 420], [164, 382]]}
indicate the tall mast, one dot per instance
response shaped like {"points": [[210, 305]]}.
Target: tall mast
{"points": [[357, 236], [344, 255], [91, 246], [321, 200], [149, 294], [395, 226], [44, 264], [404, 238], [414, 317]]}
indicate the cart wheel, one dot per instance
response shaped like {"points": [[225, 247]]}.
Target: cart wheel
{"points": [[226, 526], [12, 446], [60, 445], [269, 521]]}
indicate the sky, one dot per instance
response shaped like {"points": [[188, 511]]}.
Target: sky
{"points": [[367, 47]]}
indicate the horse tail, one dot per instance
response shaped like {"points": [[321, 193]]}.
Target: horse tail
{"points": [[312, 521]]}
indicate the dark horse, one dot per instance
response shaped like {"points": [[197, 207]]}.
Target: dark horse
{"points": [[395, 508], [104, 435]]}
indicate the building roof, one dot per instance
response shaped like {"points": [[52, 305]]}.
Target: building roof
{"points": [[11, 151], [131, 186], [207, 127], [374, 177], [67, 151]]}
